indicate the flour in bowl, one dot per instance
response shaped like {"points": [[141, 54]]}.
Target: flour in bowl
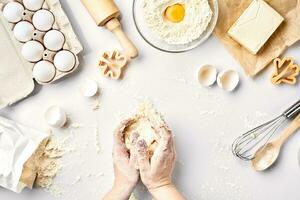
{"points": [[177, 22]]}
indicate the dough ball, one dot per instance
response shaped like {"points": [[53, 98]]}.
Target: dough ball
{"points": [[145, 131]]}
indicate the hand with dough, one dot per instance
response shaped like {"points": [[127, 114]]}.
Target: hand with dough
{"points": [[126, 175], [156, 172]]}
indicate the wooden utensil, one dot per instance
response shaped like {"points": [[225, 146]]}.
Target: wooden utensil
{"points": [[268, 154], [106, 13]]}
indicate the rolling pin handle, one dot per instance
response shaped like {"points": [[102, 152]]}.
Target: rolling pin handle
{"points": [[115, 27]]}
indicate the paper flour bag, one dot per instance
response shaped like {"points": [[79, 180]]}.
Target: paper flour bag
{"points": [[17, 145]]}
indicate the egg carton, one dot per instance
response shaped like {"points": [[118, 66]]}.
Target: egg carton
{"points": [[43, 36]]}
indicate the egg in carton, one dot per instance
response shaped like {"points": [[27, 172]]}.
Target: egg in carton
{"points": [[45, 35], [20, 24]]}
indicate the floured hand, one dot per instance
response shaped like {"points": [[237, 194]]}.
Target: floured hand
{"points": [[126, 175], [157, 171]]}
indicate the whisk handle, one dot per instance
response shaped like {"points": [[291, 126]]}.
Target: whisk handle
{"points": [[292, 111]]}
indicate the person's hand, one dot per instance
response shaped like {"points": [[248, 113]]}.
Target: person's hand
{"points": [[126, 175], [157, 171]]}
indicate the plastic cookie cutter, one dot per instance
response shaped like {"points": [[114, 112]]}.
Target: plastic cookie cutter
{"points": [[285, 71], [112, 64]]}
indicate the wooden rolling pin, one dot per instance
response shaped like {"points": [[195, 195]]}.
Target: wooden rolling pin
{"points": [[106, 13]]}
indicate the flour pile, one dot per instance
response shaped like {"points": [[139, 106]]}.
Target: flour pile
{"points": [[48, 164], [198, 15]]}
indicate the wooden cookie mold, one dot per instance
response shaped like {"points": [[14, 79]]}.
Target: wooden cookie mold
{"points": [[112, 64], [286, 71]]}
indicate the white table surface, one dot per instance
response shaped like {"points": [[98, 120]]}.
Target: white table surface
{"points": [[204, 121]]}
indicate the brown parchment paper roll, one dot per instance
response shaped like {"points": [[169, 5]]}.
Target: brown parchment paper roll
{"points": [[285, 36]]}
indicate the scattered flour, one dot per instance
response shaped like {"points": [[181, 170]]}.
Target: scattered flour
{"points": [[255, 119], [226, 184], [132, 197], [77, 180], [97, 140], [96, 104]]}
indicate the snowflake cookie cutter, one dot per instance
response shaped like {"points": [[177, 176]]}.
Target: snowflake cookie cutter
{"points": [[112, 64], [286, 71]]}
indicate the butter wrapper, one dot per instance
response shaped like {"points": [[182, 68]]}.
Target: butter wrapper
{"points": [[17, 144]]}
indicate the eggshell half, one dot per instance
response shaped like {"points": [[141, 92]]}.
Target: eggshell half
{"points": [[54, 40], [43, 20], [55, 116], [33, 5], [228, 80], [89, 88], [32, 51], [13, 12], [64, 61], [23, 31], [207, 75], [43, 71]]}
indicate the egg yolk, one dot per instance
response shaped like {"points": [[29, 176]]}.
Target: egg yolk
{"points": [[175, 13]]}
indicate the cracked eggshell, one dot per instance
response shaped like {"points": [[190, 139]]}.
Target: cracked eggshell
{"points": [[32, 51], [89, 88], [207, 75], [23, 31], [43, 71], [13, 12], [33, 5], [54, 40], [228, 80], [55, 117], [64, 61], [43, 20]]}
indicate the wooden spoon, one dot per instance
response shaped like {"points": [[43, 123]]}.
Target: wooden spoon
{"points": [[268, 154]]}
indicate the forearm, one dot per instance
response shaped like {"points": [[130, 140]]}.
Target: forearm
{"points": [[166, 192], [118, 193]]}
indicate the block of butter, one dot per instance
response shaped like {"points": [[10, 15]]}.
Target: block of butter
{"points": [[256, 25]]}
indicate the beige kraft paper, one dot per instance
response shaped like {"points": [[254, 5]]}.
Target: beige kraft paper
{"points": [[285, 36]]}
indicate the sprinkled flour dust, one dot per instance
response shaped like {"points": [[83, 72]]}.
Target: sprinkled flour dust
{"points": [[97, 140], [132, 197], [198, 15], [226, 184]]}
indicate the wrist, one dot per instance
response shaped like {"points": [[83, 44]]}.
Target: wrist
{"points": [[166, 192], [162, 187], [121, 191]]}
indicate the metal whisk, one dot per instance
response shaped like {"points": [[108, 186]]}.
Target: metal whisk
{"points": [[245, 146]]}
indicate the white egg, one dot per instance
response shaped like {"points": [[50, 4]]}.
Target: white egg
{"points": [[64, 61], [43, 71], [228, 80], [33, 5], [23, 31], [32, 51], [89, 88], [207, 75], [54, 40], [43, 20], [13, 12], [56, 116]]}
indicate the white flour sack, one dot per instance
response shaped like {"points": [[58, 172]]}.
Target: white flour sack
{"points": [[17, 144]]}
